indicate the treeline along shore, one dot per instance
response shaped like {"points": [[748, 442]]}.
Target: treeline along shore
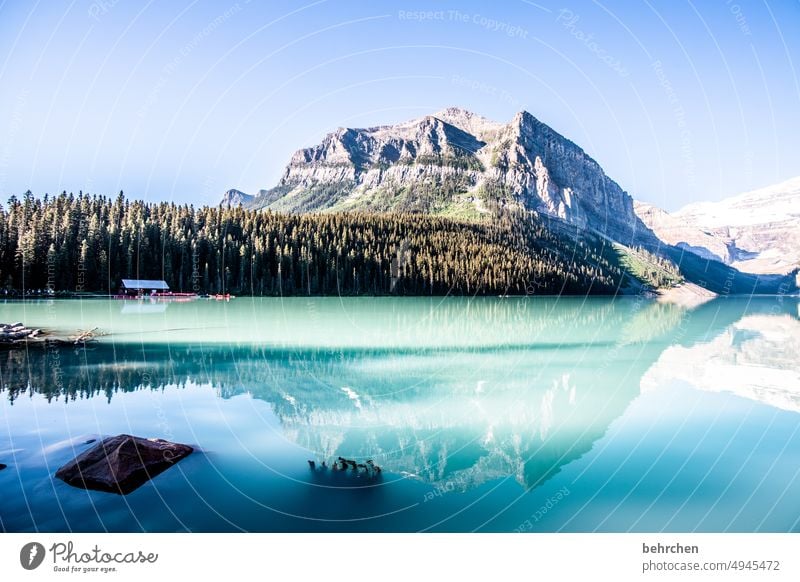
{"points": [[88, 243]]}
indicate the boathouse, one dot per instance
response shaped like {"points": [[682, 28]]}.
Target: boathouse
{"points": [[135, 287]]}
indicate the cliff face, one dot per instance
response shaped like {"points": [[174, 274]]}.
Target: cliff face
{"points": [[455, 160], [557, 177]]}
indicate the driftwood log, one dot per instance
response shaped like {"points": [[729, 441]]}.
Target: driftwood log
{"points": [[12, 334], [85, 336]]}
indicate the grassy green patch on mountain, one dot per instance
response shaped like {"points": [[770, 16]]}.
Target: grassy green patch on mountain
{"points": [[650, 269]]}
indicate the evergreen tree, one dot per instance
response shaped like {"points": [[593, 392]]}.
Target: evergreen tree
{"points": [[90, 243]]}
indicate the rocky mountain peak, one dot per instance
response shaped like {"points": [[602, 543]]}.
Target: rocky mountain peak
{"points": [[525, 123], [235, 197], [455, 161], [469, 122], [523, 118], [453, 113]]}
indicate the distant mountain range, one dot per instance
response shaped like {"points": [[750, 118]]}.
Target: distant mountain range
{"points": [[457, 164], [756, 232]]}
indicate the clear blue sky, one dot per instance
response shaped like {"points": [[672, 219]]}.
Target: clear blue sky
{"points": [[678, 101]]}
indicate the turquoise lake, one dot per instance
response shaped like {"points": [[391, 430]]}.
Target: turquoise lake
{"points": [[537, 414]]}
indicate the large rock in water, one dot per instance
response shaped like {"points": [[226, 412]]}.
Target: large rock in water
{"points": [[122, 463]]}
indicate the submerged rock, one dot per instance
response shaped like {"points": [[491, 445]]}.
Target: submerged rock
{"points": [[122, 463]]}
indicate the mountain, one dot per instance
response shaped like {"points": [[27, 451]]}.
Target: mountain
{"points": [[455, 163], [756, 232], [761, 227], [236, 198], [674, 231], [458, 165]]}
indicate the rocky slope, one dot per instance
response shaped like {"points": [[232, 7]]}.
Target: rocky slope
{"points": [[756, 232], [675, 231], [454, 162]]}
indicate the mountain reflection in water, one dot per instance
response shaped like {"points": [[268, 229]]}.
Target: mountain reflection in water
{"points": [[456, 392]]}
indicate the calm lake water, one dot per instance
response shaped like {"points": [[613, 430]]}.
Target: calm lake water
{"points": [[486, 414]]}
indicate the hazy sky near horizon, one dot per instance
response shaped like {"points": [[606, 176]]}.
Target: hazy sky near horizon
{"points": [[678, 101]]}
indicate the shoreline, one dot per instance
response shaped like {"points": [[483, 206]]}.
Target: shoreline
{"points": [[678, 294]]}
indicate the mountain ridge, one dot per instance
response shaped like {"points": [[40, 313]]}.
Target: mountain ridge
{"points": [[455, 158], [757, 231]]}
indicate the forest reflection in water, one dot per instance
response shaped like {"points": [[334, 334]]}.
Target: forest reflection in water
{"points": [[456, 392]]}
